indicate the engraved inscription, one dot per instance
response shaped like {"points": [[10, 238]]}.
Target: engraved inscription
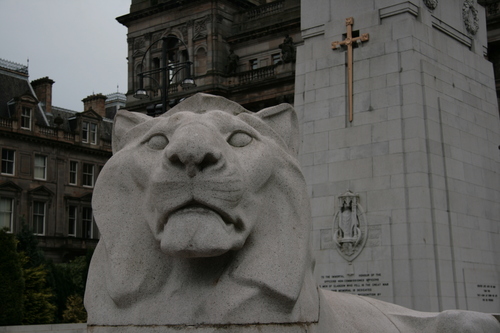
{"points": [[367, 284]]}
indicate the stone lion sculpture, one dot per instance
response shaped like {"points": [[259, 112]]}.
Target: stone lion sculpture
{"points": [[204, 221]]}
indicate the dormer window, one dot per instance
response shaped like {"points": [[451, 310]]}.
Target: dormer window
{"points": [[26, 118], [93, 133], [89, 132], [85, 132]]}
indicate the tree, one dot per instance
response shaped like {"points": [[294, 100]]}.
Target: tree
{"points": [[38, 293], [70, 288], [38, 307], [28, 244], [75, 311], [11, 280]]}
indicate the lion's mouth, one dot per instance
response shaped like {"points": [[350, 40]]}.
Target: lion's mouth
{"points": [[195, 209], [198, 230]]}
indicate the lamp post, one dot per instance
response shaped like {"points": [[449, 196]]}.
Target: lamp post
{"points": [[165, 69]]}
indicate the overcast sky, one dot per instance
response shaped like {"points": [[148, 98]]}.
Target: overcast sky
{"points": [[77, 43]]}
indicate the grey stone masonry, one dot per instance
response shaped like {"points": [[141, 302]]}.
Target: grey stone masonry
{"points": [[59, 328], [406, 197]]}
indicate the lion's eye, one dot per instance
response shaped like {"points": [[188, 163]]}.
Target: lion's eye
{"points": [[239, 139], [157, 142]]}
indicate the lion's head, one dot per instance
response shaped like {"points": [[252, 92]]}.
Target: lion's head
{"points": [[204, 218]]}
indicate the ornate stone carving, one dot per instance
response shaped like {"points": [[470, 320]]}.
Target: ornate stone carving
{"points": [[139, 43], [232, 63], [156, 36], [200, 28], [288, 52], [350, 227], [431, 4], [204, 221], [183, 29], [470, 17]]}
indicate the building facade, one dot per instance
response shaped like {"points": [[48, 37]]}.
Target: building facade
{"points": [[242, 50], [51, 158], [405, 189], [492, 11]]}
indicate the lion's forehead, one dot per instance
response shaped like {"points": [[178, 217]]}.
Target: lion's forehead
{"points": [[217, 120]]}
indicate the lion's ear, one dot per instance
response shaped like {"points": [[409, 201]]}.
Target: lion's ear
{"points": [[283, 120], [124, 122]]}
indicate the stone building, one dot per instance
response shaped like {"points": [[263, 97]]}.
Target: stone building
{"points": [[243, 50], [51, 158]]}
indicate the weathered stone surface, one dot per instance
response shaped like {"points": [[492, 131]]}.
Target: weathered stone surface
{"points": [[421, 151], [205, 225]]}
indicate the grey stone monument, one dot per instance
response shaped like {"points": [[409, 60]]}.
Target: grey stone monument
{"points": [[400, 134], [204, 221]]}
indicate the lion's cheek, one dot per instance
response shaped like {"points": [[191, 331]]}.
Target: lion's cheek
{"points": [[256, 166], [199, 233]]}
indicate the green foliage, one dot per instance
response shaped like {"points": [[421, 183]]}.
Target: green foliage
{"points": [[38, 307], [75, 311], [63, 287], [11, 280], [70, 281], [38, 293], [28, 243], [35, 290]]}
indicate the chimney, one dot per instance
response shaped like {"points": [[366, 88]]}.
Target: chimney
{"points": [[43, 91], [96, 102]]}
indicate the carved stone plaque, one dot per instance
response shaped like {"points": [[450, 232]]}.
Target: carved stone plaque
{"points": [[349, 227]]}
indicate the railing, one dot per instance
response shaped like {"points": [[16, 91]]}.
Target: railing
{"points": [[256, 75], [173, 88], [270, 8], [69, 136], [6, 122], [48, 131]]}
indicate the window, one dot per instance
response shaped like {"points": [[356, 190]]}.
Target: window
{"points": [[72, 220], [73, 172], [87, 222], [85, 131], [8, 161], [39, 217], [88, 175], [26, 118], [254, 64], [276, 58], [6, 213], [93, 133], [40, 167]]}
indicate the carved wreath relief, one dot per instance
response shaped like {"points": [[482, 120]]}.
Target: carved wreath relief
{"points": [[349, 226], [431, 4], [470, 17]]}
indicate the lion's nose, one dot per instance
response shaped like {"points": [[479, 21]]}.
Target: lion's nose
{"points": [[193, 150]]}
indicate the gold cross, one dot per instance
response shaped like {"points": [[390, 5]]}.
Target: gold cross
{"points": [[348, 42]]}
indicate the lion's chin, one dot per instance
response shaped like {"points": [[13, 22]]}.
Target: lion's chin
{"points": [[198, 232]]}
